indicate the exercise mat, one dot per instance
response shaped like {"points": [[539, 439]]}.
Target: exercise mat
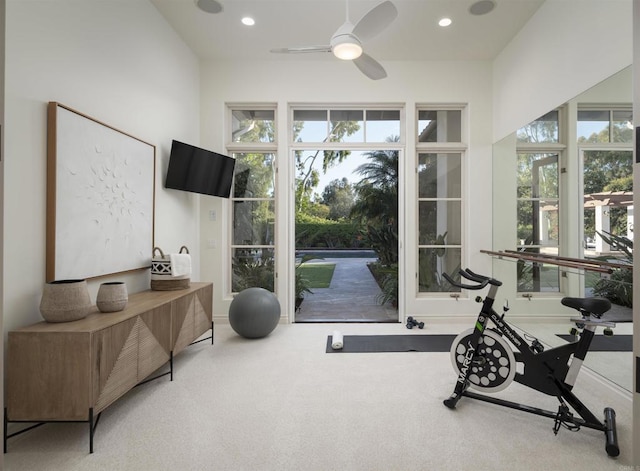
{"points": [[602, 343], [392, 343], [618, 314]]}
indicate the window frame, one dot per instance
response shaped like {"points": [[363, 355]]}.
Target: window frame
{"points": [[610, 109], [333, 145], [460, 148], [559, 149], [246, 148]]}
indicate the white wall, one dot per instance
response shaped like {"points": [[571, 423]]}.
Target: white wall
{"points": [[118, 62], [567, 47], [335, 82]]}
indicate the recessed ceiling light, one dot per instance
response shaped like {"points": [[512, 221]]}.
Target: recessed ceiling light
{"points": [[482, 7], [209, 6], [444, 22], [247, 20]]}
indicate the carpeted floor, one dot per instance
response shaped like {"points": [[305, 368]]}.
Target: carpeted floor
{"points": [[281, 403]]}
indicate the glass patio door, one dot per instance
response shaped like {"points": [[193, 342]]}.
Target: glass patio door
{"points": [[346, 238], [345, 213]]}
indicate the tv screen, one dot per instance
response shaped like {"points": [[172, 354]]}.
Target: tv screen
{"points": [[199, 170]]}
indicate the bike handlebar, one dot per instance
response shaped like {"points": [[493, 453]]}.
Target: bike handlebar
{"points": [[469, 275]]}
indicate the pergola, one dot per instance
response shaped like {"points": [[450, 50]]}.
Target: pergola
{"points": [[601, 202]]}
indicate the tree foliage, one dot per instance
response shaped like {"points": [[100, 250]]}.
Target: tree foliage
{"points": [[307, 176], [339, 197], [376, 203], [607, 171]]}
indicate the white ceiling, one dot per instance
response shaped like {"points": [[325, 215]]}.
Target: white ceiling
{"points": [[414, 35]]}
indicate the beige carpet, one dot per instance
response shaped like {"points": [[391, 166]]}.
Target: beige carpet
{"points": [[282, 403]]}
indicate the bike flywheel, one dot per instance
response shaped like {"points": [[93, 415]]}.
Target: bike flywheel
{"points": [[491, 368]]}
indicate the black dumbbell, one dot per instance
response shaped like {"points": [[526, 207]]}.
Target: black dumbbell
{"points": [[411, 322]]}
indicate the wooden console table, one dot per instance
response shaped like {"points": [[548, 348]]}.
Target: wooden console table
{"points": [[72, 371]]}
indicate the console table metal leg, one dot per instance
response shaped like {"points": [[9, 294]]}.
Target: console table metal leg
{"points": [[171, 365], [91, 430], [5, 430]]}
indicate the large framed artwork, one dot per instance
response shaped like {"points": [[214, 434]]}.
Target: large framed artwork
{"points": [[100, 197]]}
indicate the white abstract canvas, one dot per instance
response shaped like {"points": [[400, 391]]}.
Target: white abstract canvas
{"points": [[104, 198]]}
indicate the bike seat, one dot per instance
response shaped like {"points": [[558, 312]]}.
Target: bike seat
{"points": [[595, 306]]}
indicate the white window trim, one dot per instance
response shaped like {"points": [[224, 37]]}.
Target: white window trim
{"points": [[364, 146], [441, 147], [250, 147], [559, 148]]}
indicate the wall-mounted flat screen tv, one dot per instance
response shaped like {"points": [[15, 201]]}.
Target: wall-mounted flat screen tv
{"points": [[199, 170]]}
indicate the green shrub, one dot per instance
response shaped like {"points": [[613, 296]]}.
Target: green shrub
{"points": [[619, 287], [329, 234], [384, 242], [251, 272], [387, 279]]}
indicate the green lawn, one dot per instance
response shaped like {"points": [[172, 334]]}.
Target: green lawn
{"points": [[318, 274]]}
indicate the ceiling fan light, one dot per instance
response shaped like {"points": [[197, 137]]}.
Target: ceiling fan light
{"points": [[347, 51], [346, 47]]}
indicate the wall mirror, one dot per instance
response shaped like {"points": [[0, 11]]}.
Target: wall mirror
{"points": [[576, 159]]}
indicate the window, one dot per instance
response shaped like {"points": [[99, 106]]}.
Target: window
{"points": [[605, 125], [253, 137], [439, 217], [439, 126], [253, 125], [353, 125], [439, 188], [605, 142], [545, 129], [538, 207]]}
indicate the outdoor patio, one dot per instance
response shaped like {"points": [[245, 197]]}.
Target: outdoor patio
{"points": [[351, 297]]}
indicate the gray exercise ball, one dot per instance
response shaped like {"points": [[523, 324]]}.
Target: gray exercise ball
{"points": [[254, 313]]}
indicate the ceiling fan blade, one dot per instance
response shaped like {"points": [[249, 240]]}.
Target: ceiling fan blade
{"points": [[370, 67], [375, 21], [301, 50]]}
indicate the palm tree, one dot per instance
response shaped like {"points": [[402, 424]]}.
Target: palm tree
{"points": [[376, 207], [376, 203]]}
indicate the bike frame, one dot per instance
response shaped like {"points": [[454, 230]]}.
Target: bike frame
{"points": [[548, 371]]}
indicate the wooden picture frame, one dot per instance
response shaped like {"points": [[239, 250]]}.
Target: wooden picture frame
{"points": [[100, 198]]}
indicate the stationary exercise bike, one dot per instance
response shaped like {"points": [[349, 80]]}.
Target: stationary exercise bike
{"points": [[485, 359]]}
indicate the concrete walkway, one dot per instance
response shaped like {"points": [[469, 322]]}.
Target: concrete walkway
{"points": [[351, 297]]}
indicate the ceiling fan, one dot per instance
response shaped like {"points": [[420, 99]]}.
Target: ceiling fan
{"points": [[346, 42]]}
